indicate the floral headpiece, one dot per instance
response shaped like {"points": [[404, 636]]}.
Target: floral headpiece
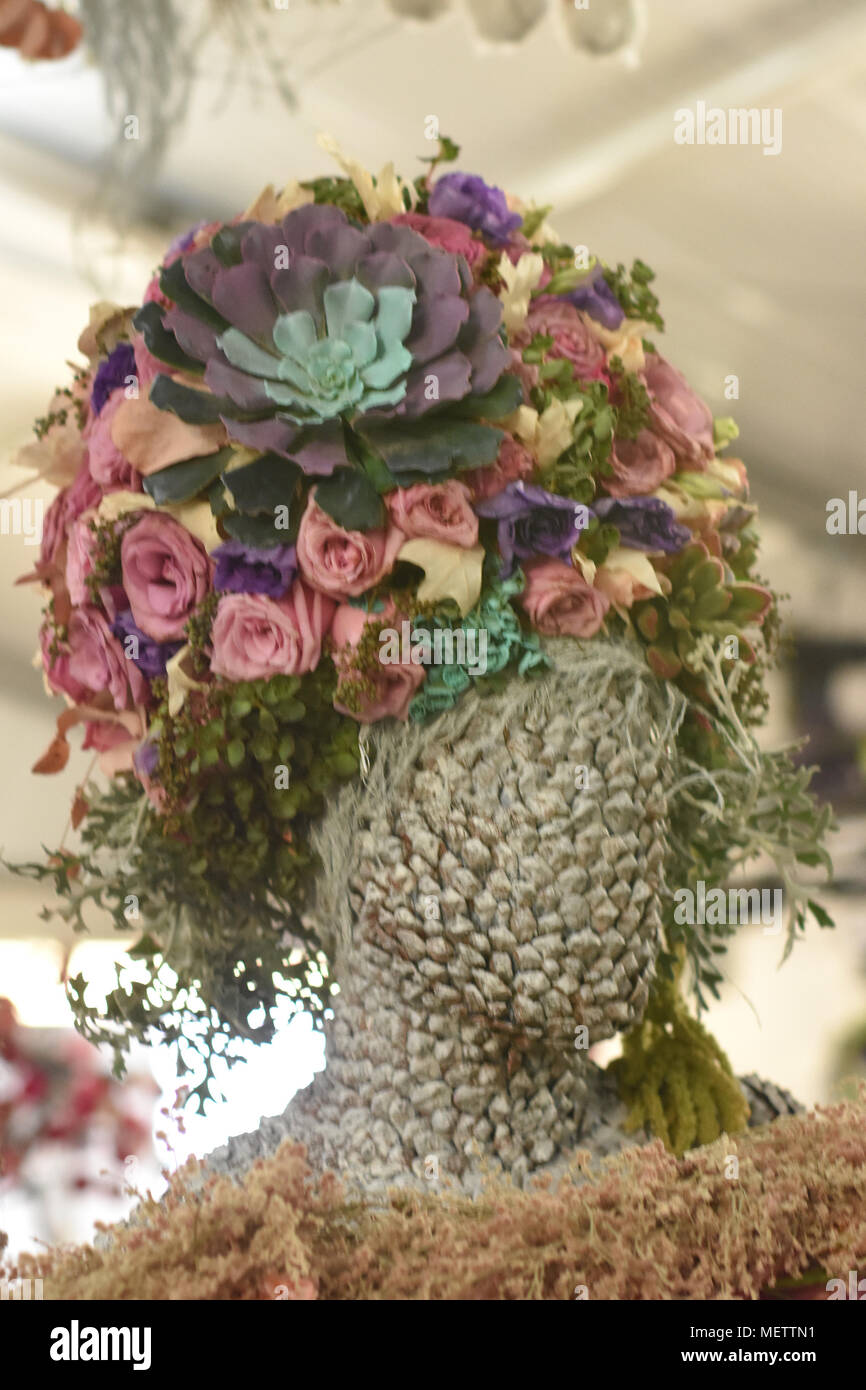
{"points": [[362, 412]]}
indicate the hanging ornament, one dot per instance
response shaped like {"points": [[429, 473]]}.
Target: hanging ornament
{"points": [[602, 28]]}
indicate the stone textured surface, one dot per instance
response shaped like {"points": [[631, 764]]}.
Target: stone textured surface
{"points": [[503, 908]]}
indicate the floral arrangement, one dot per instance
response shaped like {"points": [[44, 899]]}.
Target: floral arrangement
{"points": [[364, 416]]}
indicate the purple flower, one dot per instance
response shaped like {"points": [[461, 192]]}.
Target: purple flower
{"points": [[644, 523], [150, 656], [111, 374], [146, 758], [467, 198], [533, 522], [242, 570], [185, 240], [597, 299]]}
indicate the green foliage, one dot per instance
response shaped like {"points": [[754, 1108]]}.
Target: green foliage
{"points": [[632, 289], [587, 457], [341, 192], [675, 1078], [632, 402], [732, 802], [220, 878]]}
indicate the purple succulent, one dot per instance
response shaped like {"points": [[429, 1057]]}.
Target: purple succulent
{"points": [[597, 299], [314, 322], [111, 374], [533, 521], [151, 657], [644, 523], [240, 569], [467, 198]]}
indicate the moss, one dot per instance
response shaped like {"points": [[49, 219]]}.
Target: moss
{"points": [[675, 1078], [647, 1226]]}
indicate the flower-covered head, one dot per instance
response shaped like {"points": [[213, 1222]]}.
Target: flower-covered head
{"points": [[334, 430]]}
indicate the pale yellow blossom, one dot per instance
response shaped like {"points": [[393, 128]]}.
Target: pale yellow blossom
{"points": [[271, 206], [195, 516], [382, 197], [623, 342], [520, 280], [178, 682]]}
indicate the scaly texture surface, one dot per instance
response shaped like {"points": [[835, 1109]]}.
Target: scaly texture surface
{"points": [[495, 888]]}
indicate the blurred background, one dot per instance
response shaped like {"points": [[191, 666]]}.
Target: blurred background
{"points": [[759, 262]]}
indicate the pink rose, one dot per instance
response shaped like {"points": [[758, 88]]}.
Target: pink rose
{"points": [[682, 419], [440, 510], [558, 600], [166, 574], [255, 637], [639, 465], [451, 236], [79, 557], [394, 684], [82, 495], [343, 563], [93, 662], [56, 666], [573, 340], [514, 462], [108, 465]]}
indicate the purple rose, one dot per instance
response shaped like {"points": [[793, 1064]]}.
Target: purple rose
{"points": [[533, 522], [151, 657], [241, 569], [111, 375], [595, 296], [467, 198], [644, 523]]}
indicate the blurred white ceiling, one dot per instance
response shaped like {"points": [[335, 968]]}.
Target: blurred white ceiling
{"points": [[759, 258]]}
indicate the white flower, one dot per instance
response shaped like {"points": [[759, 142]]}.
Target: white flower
{"points": [[520, 281], [546, 435], [270, 206], [382, 197], [623, 342]]}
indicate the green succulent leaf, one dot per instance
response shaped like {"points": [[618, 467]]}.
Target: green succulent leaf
{"points": [[501, 400], [260, 532], [191, 406], [183, 481], [226, 243], [263, 485], [173, 283], [351, 500], [160, 343], [432, 447]]}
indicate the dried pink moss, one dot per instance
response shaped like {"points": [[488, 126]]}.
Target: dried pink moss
{"points": [[649, 1226]]}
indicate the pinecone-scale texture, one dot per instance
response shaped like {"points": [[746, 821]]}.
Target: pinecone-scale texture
{"points": [[494, 889]]}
